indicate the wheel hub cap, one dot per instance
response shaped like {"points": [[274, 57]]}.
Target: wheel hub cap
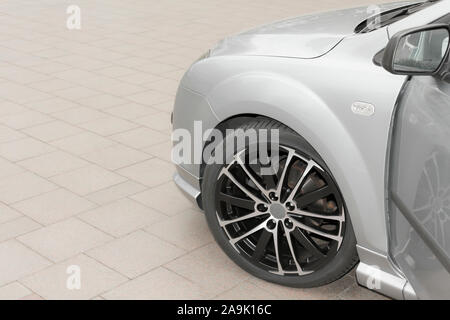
{"points": [[277, 211]]}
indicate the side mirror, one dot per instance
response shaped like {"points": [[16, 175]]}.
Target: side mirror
{"points": [[418, 51]]}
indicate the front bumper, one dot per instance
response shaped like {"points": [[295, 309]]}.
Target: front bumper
{"points": [[190, 109], [189, 185]]}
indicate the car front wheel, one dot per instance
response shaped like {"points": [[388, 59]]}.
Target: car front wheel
{"points": [[289, 227]]}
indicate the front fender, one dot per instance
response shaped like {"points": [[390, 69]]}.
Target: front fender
{"points": [[297, 106]]}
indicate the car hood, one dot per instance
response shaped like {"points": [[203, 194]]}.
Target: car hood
{"points": [[302, 37]]}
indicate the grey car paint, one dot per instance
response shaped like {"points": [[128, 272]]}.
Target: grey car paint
{"points": [[246, 75], [277, 39]]}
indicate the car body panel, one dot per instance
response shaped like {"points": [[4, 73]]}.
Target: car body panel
{"points": [[302, 37], [306, 96], [200, 110]]}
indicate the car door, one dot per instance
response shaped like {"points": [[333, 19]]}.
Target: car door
{"points": [[419, 186]]}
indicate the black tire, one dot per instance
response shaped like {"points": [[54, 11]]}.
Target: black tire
{"points": [[339, 264]]}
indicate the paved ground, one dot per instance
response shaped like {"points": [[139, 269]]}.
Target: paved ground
{"points": [[85, 177]]}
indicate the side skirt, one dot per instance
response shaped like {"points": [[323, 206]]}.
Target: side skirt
{"points": [[377, 273]]}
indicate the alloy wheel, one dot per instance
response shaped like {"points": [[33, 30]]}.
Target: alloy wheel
{"points": [[289, 223]]}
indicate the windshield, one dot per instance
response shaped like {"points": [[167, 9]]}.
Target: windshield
{"points": [[386, 18]]}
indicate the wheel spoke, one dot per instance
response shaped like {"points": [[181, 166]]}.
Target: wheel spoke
{"points": [[245, 235], [277, 250], [423, 208], [313, 196], [302, 213], [317, 232], [251, 177], [237, 202], [300, 181], [268, 180], [294, 257], [240, 186], [307, 243], [224, 223], [261, 245], [285, 169]]}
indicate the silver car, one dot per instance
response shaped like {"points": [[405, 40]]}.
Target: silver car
{"points": [[361, 102]]}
